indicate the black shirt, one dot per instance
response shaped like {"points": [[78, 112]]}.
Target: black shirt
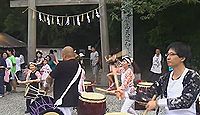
{"points": [[63, 75], [2, 67], [34, 77]]}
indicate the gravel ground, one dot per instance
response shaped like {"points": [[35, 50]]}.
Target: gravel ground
{"points": [[14, 104]]}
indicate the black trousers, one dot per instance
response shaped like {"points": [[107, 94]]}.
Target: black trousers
{"points": [[8, 86]]}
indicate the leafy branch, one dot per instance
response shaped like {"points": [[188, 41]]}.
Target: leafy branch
{"points": [[148, 8]]}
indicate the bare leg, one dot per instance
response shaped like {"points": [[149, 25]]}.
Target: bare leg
{"points": [[110, 79], [14, 85]]}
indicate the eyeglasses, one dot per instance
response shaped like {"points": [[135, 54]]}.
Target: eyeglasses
{"points": [[170, 54]]}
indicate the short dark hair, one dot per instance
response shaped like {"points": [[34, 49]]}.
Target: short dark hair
{"points": [[32, 63], [51, 51], [181, 49], [10, 50], [39, 52], [48, 56]]}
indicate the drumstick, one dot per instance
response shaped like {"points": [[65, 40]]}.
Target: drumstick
{"points": [[116, 83], [153, 98], [106, 91], [121, 53]]}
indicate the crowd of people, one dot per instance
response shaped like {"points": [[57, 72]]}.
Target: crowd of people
{"points": [[177, 91], [35, 73], [11, 65]]}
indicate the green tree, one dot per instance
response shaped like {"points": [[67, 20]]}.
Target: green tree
{"points": [[16, 24], [149, 8], [178, 23], [4, 11]]}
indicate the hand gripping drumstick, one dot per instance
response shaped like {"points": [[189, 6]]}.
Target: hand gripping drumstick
{"points": [[153, 98]]}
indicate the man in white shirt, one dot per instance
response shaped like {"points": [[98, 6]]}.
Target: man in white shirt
{"points": [[94, 60], [156, 68]]}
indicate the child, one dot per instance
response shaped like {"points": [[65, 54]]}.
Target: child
{"points": [[45, 71], [127, 86], [33, 79]]}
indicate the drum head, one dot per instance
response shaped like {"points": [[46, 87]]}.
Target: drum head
{"points": [[52, 112], [144, 84], [92, 96], [117, 113]]}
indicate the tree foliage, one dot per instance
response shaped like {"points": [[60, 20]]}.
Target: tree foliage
{"points": [[178, 23], [148, 8], [4, 11]]}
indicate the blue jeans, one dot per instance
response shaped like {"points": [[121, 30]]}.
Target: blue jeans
{"points": [[1, 85]]}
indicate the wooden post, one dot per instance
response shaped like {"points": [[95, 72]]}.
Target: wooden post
{"points": [[31, 30], [104, 40]]}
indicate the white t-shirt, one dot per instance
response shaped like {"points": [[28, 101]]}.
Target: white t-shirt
{"points": [[45, 71], [156, 64], [8, 63], [18, 64], [21, 59], [94, 57]]}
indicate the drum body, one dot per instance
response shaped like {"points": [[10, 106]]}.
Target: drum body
{"points": [[44, 105], [31, 92], [142, 96], [91, 104], [88, 86]]}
